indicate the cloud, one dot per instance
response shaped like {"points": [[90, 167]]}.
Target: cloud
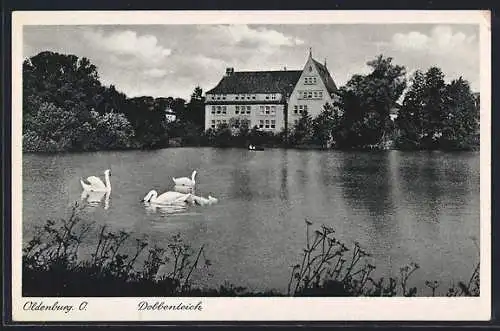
{"points": [[155, 72], [245, 35], [128, 43], [441, 40]]}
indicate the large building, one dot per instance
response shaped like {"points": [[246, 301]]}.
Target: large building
{"points": [[269, 99]]}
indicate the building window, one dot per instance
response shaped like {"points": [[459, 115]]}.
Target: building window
{"points": [[224, 121], [218, 97], [223, 97], [224, 110], [267, 110], [310, 95], [249, 107], [320, 94], [295, 109], [267, 97], [273, 110], [218, 121], [253, 97], [273, 124], [236, 97], [305, 108], [218, 109], [267, 124], [261, 110], [213, 109], [273, 96], [261, 124]]}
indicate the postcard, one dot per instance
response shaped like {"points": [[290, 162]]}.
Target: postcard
{"points": [[251, 165]]}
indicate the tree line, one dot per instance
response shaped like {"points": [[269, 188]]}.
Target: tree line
{"points": [[67, 108], [431, 114]]}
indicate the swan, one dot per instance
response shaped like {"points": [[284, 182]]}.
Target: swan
{"points": [[184, 189], [95, 184], [184, 181], [168, 198], [204, 201]]}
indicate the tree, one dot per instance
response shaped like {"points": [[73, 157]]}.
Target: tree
{"points": [[66, 81], [325, 125], [461, 119], [367, 100], [410, 120], [148, 122], [223, 135], [50, 129], [422, 116], [302, 131], [108, 131], [433, 107]]}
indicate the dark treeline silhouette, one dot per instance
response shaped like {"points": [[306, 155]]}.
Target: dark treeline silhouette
{"points": [[67, 108]]}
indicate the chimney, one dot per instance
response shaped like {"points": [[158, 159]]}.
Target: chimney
{"points": [[229, 71]]}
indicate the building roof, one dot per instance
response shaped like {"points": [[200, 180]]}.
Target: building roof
{"points": [[249, 82], [326, 77]]}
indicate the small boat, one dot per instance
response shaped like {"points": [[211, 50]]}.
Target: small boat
{"points": [[255, 148]]}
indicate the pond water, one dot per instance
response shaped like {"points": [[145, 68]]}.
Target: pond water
{"points": [[400, 206]]}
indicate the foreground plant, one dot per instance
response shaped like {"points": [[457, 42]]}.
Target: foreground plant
{"points": [[329, 268], [53, 258], [118, 265]]}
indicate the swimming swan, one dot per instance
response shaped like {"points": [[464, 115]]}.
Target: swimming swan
{"points": [[168, 198], [95, 184], [184, 181], [204, 201]]}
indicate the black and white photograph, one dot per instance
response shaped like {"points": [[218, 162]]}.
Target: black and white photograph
{"points": [[171, 162]]}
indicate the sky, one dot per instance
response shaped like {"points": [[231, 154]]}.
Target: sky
{"points": [[171, 60]]}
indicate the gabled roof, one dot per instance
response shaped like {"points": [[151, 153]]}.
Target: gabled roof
{"points": [[249, 82], [326, 77]]}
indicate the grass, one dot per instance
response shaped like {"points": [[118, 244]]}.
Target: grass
{"points": [[53, 266]]}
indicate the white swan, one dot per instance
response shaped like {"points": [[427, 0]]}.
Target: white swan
{"points": [[168, 198], [95, 184], [184, 189], [204, 201], [184, 181]]}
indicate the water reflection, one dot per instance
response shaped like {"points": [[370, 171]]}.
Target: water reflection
{"points": [[284, 177], [94, 200], [164, 209]]}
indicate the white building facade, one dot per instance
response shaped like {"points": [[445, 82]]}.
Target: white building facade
{"points": [[266, 98]]}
